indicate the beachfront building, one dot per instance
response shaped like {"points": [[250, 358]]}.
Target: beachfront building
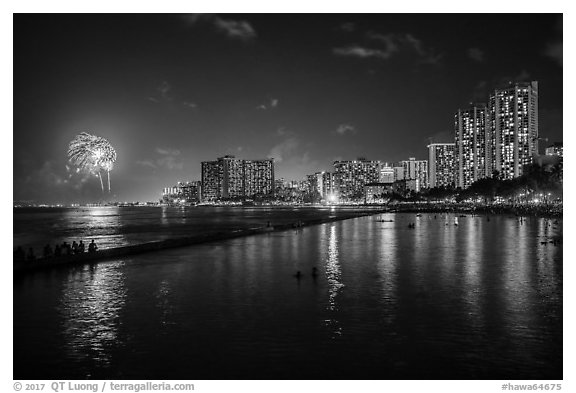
{"points": [[212, 180], [414, 169], [321, 184], [441, 164], [376, 193], [302, 186], [328, 187], [182, 192], [231, 178], [258, 178], [398, 172], [351, 176], [556, 149], [514, 128], [472, 139], [315, 184], [387, 174]]}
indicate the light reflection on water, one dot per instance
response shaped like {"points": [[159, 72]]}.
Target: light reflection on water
{"points": [[90, 306], [333, 276], [474, 256], [479, 300]]}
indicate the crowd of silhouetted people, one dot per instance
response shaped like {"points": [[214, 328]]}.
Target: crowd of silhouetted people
{"points": [[64, 249]]}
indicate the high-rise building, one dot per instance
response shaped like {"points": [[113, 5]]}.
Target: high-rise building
{"points": [[386, 174], [321, 184], [441, 164], [228, 177], [191, 190], [351, 176], [183, 192], [514, 128], [315, 184], [398, 172], [472, 138], [233, 180], [416, 170], [258, 178], [328, 186], [212, 180], [556, 149]]}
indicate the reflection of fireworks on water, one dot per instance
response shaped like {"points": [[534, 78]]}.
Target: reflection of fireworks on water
{"points": [[92, 154]]}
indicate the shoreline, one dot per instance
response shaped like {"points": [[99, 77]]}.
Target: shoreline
{"points": [[118, 252], [518, 210]]}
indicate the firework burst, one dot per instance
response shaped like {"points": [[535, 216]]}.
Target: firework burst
{"points": [[92, 154]]}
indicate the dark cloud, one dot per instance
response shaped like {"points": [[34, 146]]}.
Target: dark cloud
{"points": [[348, 27], [427, 55], [189, 104], [344, 129], [239, 29], [236, 29], [164, 90], [362, 52], [476, 54], [274, 102], [162, 93], [390, 45], [390, 40]]}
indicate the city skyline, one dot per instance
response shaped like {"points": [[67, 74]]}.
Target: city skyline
{"points": [[337, 88]]}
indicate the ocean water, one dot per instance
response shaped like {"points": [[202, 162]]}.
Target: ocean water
{"points": [[481, 300], [121, 226]]}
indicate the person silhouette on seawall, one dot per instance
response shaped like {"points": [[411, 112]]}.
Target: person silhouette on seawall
{"points": [[80, 247], [19, 254], [92, 247]]}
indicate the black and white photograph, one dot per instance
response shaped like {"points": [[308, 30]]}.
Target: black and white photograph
{"points": [[255, 196]]}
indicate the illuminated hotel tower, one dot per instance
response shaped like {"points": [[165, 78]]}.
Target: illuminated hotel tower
{"points": [[351, 176], [441, 164], [514, 128], [258, 178], [416, 170], [471, 145], [229, 177]]}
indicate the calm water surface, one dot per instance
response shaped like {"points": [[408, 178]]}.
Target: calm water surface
{"points": [[481, 300], [120, 226]]}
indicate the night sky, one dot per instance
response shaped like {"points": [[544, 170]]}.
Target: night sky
{"points": [[170, 91]]}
